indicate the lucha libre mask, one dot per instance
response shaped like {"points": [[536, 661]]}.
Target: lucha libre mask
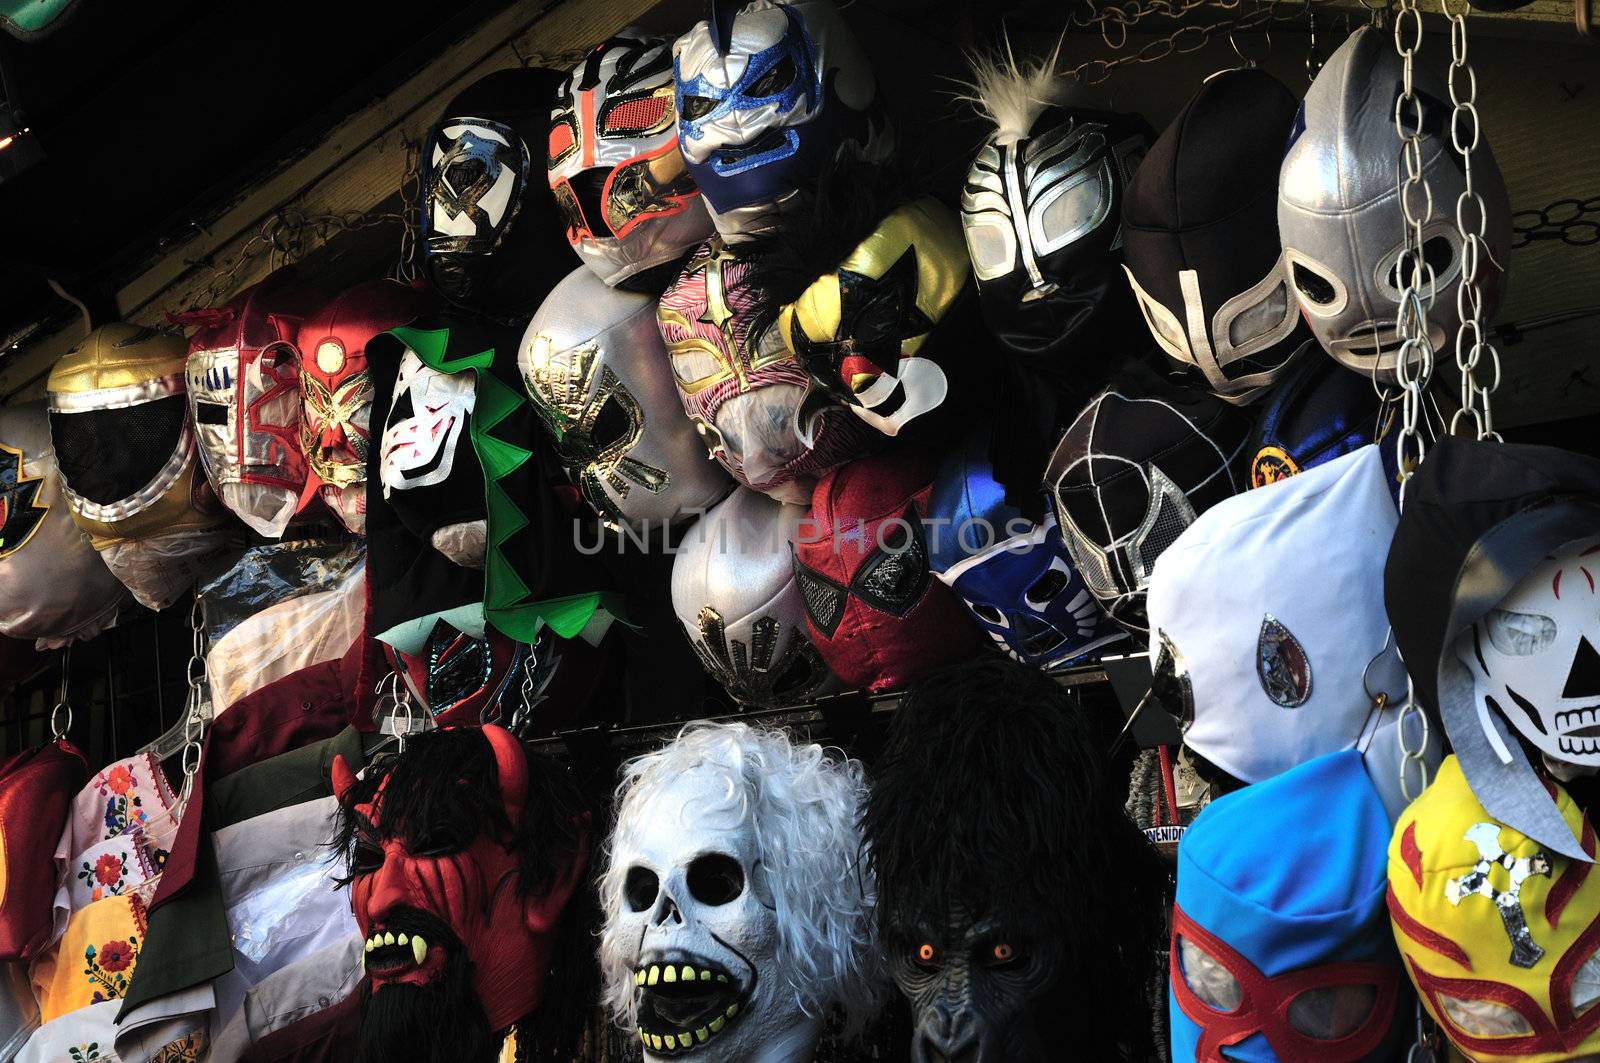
{"points": [[747, 405], [490, 228], [872, 606], [1131, 473], [1340, 219], [243, 380], [1280, 948], [128, 459], [736, 915], [429, 470], [1498, 933], [459, 914], [458, 679], [594, 364], [1266, 616], [1533, 658], [864, 331], [1042, 213], [1013, 576], [1201, 239], [55, 586], [619, 179], [765, 92], [734, 590], [335, 430]]}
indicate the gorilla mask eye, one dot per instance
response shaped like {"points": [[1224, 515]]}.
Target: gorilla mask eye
{"points": [[927, 955]]}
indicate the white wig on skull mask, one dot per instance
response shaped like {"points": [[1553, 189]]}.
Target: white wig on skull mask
{"points": [[786, 811]]}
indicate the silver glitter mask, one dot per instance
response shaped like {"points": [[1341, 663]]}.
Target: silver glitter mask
{"points": [[1339, 214], [734, 590], [597, 371]]}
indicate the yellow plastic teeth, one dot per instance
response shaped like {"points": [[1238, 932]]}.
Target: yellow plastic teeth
{"points": [[705, 976], [388, 938], [684, 1040], [419, 949], [733, 1009], [653, 977], [670, 974], [722, 978], [638, 977], [402, 939], [688, 973], [371, 944], [716, 1024], [701, 1034], [644, 1038], [656, 1042]]}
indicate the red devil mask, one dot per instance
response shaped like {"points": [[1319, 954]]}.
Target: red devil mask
{"points": [[335, 429], [875, 612], [422, 886]]}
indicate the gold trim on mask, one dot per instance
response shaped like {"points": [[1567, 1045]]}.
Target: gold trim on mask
{"points": [[336, 409]]}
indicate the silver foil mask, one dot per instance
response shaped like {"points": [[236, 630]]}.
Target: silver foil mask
{"points": [[594, 364], [734, 590], [1339, 213]]}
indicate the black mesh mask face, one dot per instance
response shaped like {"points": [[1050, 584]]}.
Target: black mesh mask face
{"points": [[107, 456]]}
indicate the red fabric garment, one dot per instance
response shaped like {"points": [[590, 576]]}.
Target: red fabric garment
{"points": [[307, 706], [326, 1036], [36, 791]]}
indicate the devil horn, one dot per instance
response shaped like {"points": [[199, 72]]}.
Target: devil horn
{"points": [[343, 777], [512, 764], [721, 24]]}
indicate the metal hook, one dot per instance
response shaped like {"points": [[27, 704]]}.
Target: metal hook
{"points": [[61, 714], [1381, 697]]}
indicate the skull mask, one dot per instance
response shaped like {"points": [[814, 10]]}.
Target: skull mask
{"points": [[734, 591], [1014, 577], [594, 364], [747, 404], [866, 330], [1201, 241], [1533, 658], [243, 378], [765, 92], [336, 430], [614, 165], [129, 465], [1340, 218], [735, 915]]}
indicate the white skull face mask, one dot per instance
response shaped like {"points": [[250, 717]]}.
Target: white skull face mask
{"points": [[425, 425], [736, 919], [1340, 219], [696, 902], [1533, 657], [594, 364]]}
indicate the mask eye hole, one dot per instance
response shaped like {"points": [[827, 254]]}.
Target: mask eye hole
{"points": [[691, 108], [774, 81], [1332, 1012], [715, 879], [1313, 287], [610, 424], [210, 413], [987, 613], [927, 955], [1208, 979], [366, 857], [1437, 254], [1519, 634], [1483, 1018], [1046, 587], [639, 889], [1002, 954]]}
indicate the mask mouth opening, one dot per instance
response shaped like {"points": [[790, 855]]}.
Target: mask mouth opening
{"points": [[409, 944], [686, 1002], [772, 140]]}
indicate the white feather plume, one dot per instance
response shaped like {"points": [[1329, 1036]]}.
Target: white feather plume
{"points": [[1012, 95]]}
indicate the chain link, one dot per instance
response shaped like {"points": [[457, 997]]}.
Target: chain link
{"points": [[405, 268], [197, 706], [61, 714], [1414, 366], [1472, 349], [1574, 222]]}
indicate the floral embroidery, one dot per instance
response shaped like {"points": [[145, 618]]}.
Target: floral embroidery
{"points": [[85, 1052], [124, 813], [119, 780], [187, 1049], [107, 964], [108, 876]]}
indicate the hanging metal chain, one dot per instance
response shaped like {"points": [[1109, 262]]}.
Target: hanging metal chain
{"points": [[61, 714], [1574, 222], [1472, 349], [1414, 366], [197, 706], [405, 269]]}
